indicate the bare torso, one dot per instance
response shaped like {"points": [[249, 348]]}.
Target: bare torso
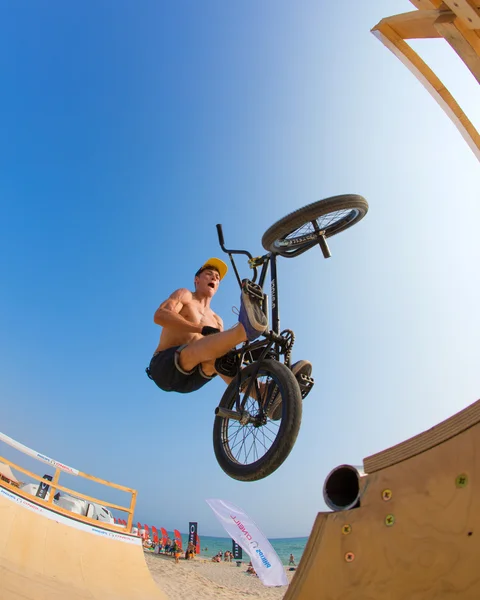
{"points": [[194, 312]]}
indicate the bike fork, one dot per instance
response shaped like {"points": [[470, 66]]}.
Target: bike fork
{"points": [[239, 414], [322, 242]]}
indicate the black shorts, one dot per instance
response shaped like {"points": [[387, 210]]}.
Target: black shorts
{"points": [[167, 373]]}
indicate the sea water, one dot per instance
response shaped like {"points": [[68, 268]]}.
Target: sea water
{"points": [[210, 546]]}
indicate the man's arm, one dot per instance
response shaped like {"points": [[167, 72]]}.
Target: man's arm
{"points": [[167, 314]]}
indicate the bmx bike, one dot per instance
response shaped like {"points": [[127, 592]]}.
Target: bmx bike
{"points": [[250, 440]]}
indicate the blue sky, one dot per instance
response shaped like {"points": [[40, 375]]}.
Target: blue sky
{"points": [[128, 131]]}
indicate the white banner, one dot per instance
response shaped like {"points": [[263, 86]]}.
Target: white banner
{"points": [[26, 450], [243, 530]]}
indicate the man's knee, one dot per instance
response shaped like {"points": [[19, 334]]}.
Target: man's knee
{"points": [[208, 367], [186, 358], [187, 361]]}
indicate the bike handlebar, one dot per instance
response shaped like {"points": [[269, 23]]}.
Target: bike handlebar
{"points": [[220, 237], [222, 244], [221, 241]]}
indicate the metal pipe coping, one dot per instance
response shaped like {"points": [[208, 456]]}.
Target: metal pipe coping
{"points": [[342, 488]]}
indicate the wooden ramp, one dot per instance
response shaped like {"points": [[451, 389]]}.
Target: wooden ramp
{"points": [[45, 555], [416, 533]]}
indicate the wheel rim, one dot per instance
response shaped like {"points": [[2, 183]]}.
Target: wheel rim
{"points": [[246, 444], [309, 233]]}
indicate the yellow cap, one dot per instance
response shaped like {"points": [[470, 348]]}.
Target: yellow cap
{"points": [[215, 263]]}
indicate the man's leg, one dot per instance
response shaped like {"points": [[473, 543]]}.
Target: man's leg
{"points": [[252, 323], [211, 347]]}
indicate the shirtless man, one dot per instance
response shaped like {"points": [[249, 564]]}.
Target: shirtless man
{"points": [[193, 337]]}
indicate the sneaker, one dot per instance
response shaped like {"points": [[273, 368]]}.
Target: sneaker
{"points": [[299, 369], [251, 315]]}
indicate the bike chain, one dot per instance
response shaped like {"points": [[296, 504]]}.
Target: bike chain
{"points": [[289, 337]]}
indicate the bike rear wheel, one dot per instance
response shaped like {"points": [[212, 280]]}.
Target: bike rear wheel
{"points": [[252, 451], [302, 229]]}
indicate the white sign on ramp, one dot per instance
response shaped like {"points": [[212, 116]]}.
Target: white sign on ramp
{"points": [[243, 530]]}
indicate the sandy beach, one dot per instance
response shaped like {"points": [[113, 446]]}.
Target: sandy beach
{"points": [[201, 579]]}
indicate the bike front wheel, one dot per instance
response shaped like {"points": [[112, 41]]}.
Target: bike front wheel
{"points": [[248, 451], [302, 229]]}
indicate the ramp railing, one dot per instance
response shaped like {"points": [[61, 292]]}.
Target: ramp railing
{"points": [[53, 486]]}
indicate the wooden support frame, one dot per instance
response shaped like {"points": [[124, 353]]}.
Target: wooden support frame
{"points": [[54, 486], [426, 4], [464, 41], [456, 22], [467, 11]]}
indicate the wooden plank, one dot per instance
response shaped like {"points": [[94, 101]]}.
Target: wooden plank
{"points": [[467, 10], [426, 4], [53, 486], [463, 420], [131, 511], [418, 24], [431, 82], [105, 482], [22, 470], [464, 41], [90, 498]]}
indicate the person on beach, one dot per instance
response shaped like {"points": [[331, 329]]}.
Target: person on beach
{"points": [[193, 341], [292, 560], [189, 553], [250, 569]]}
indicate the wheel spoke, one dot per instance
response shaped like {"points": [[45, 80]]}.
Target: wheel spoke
{"points": [[248, 443], [302, 229], [324, 222]]}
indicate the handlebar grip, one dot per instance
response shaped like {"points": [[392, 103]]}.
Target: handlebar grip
{"points": [[220, 235]]}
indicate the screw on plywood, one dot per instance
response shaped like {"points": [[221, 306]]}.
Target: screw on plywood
{"points": [[461, 481], [346, 529], [349, 557], [387, 495], [389, 520]]}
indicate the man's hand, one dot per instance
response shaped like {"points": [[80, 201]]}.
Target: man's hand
{"points": [[207, 330]]}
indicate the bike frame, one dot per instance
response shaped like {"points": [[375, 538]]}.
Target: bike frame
{"points": [[267, 260], [273, 343]]}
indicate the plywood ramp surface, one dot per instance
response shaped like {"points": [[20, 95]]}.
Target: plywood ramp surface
{"points": [[47, 556], [416, 535]]}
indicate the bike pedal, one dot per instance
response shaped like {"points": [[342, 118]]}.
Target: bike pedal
{"points": [[306, 384], [252, 289]]}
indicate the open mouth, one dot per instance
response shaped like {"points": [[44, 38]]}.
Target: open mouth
{"points": [[212, 285]]}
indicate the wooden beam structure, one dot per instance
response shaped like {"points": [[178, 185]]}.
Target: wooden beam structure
{"points": [[455, 21]]}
